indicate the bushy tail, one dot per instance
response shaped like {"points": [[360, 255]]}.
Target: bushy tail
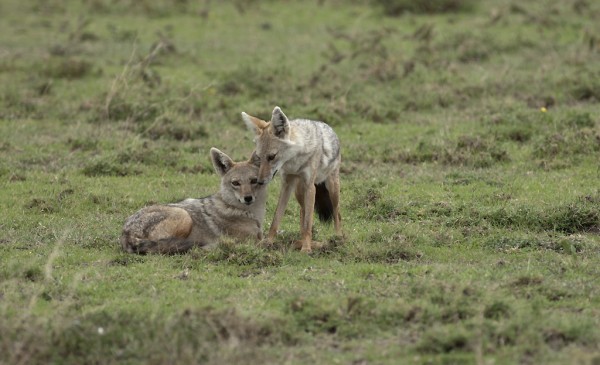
{"points": [[323, 204], [165, 246]]}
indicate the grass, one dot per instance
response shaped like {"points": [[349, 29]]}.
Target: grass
{"points": [[470, 199]]}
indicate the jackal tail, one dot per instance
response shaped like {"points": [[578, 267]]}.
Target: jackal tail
{"points": [[165, 246], [323, 204]]}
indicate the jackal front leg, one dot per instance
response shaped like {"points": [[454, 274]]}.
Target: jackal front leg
{"points": [[288, 184]]}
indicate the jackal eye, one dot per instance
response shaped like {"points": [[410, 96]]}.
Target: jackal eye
{"points": [[253, 181], [235, 183], [271, 157]]}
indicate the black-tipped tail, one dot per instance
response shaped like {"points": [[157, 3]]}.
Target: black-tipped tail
{"points": [[323, 204], [166, 246]]}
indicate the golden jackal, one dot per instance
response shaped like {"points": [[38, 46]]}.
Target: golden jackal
{"points": [[308, 154], [237, 210]]}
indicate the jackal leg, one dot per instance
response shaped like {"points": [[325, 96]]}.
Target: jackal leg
{"points": [[289, 183], [300, 199], [156, 223], [305, 193]]}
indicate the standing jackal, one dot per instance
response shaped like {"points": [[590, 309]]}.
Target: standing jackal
{"points": [[237, 210], [308, 154]]}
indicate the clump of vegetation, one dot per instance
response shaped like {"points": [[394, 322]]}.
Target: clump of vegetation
{"points": [[581, 215], [518, 128], [130, 161], [569, 147], [173, 126], [445, 339], [156, 9], [69, 68], [569, 245], [497, 310], [399, 7], [313, 317], [252, 82], [588, 90], [244, 255], [94, 337], [473, 151], [393, 249], [107, 167], [126, 260]]}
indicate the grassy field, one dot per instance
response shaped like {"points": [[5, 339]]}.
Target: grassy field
{"points": [[470, 181]]}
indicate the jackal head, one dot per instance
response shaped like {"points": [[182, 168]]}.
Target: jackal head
{"points": [[239, 180], [273, 144]]}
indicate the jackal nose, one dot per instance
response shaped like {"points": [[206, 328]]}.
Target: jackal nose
{"points": [[248, 199]]}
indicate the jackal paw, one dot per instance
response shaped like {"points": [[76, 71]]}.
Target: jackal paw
{"points": [[307, 247]]}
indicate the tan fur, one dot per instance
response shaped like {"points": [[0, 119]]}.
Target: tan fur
{"points": [[307, 153], [178, 223], [237, 210]]}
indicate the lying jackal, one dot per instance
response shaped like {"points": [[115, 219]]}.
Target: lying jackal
{"points": [[237, 210], [308, 154]]}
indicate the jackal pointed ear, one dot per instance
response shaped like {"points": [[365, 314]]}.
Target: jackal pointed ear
{"points": [[254, 124], [254, 159], [220, 161], [280, 123]]}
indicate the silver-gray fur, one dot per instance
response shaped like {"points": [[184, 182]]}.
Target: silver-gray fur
{"points": [[237, 210], [307, 153]]}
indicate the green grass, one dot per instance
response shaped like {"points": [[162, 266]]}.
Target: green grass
{"points": [[470, 196]]}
